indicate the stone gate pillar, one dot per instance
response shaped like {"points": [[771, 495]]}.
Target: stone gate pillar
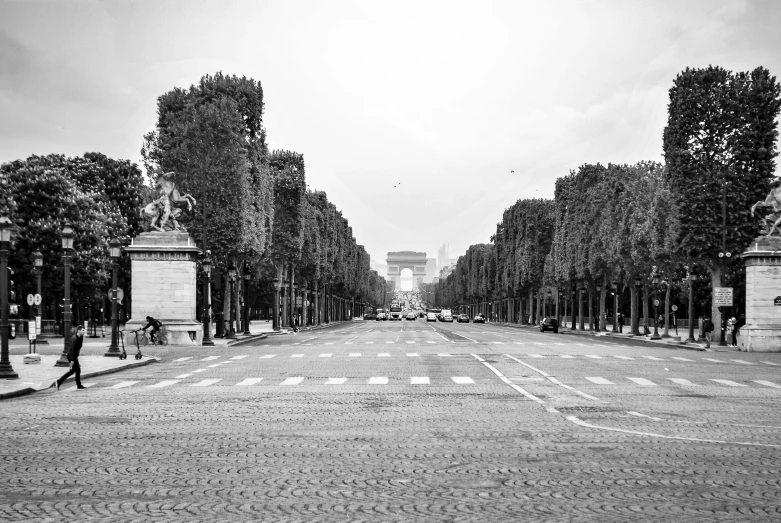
{"points": [[762, 331]]}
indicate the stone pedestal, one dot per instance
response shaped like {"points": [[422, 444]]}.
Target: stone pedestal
{"points": [[164, 286], [762, 331]]}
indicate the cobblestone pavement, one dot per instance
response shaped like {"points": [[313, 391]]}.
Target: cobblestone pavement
{"points": [[413, 421]]}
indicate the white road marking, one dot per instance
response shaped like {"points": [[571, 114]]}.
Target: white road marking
{"points": [[518, 342], [326, 355], [567, 356], [537, 356], [249, 381], [462, 380], [623, 357], [354, 355], [644, 382], [507, 381], [184, 359], [369, 343], [122, 385], [164, 383], [210, 358], [594, 356], [768, 384], [205, 383], [714, 361], [430, 341], [292, 381], [200, 370], [681, 381], [383, 355], [335, 381], [769, 363], [239, 357], [296, 355], [266, 356], [654, 358], [180, 377], [330, 343], [562, 344], [390, 342], [444, 354], [413, 354], [744, 362], [643, 415], [86, 385], [730, 383], [215, 365], [497, 342], [378, 380], [409, 341], [681, 359], [599, 381], [419, 380]]}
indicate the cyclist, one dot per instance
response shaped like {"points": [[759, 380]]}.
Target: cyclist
{"points": [[155, 325]]}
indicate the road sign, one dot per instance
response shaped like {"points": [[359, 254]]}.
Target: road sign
{"points": [[656, 303], [31, 330], [722, 296], [38, 324], [674, 308], [119, 294], [30, 299], [38, 299], [777, 301]]}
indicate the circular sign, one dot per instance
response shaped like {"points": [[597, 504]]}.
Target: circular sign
{"points": [[38, 299], [656, 303], [674, 308], [30, 299], [119, 294]]}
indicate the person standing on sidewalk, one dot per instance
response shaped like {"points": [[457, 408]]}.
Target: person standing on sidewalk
{"points": [[74, 348], [620, 323], [707, 326]]}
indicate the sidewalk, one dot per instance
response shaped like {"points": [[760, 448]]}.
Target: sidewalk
{"points": [[34, 377]]}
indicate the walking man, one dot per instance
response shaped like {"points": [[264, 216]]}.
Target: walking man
{"points": [[74, 348], [707, 326], [620, 323]]}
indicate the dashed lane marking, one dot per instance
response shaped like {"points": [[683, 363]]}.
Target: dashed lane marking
{"points": [[184, 359], [182, 376], [768, 384], [389, 342], [239, 357], [430, 341], [335, 381], [293, 381], [122, 385], [599, 381], [623, 357], [209, 358], [644, 382], [681, 381], [714, 361], [497, 342], [462, 380], [378, 380], [200, 370], [326, 355], [681, 359], [769, 363], [654, 358], [594, 356], [410, 341], [420, 380], [444, 354], [413, 355], [537, 356], [205, 383], [214, 365], [267, 356], [354, 355], [249, 381], [744, 362], [383, 355], [729, 383], [164, 383], [567, 356]]}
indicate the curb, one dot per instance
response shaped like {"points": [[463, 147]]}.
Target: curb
{"points": [[86, 375]]}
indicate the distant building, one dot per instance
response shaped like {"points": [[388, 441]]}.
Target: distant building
{"points": [[442, 256]]}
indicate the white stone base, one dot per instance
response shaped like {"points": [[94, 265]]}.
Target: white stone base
{"points": [[760, 338], [179, 333]]}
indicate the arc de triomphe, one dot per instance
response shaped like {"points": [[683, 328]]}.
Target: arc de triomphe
{"points": [[398, 261]]}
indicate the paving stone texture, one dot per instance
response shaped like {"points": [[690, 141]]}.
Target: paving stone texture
{"points": [[529, 437]]}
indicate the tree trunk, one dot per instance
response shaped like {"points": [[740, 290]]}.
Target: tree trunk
{"points": [[635, 325], [590, 309], [667, 310], [602, 311], [716, 318], [580, 310], [645, 310]]}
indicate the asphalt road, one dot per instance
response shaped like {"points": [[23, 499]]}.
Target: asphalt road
{"points": [[405, 421]]}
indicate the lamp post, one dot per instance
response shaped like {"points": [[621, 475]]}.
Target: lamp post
{"points": [[6, 370], [655, 335], [275, 319], [247, 278], [636, 321], [115, 250], [692, 278], [38, 264], [207, 299], [615, 306], [67, 245], [232, 280]]}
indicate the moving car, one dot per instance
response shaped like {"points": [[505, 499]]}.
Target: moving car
{"points": [[431, 316], [412, 316], [479, 318], [463, 318], [549, 324], [369, 316], [446, 315], [380, 316]]}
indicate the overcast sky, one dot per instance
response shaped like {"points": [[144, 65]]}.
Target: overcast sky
{"points": [[445, 98]]}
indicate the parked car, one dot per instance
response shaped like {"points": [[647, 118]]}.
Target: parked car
{"points": [[431, 316], [369, 316], [479, 318], [549, 324], [412, 316], [463, 318], [446, 315]]}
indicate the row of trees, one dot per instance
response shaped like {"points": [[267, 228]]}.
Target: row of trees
{"points": [[254, 211], [629, 226]]}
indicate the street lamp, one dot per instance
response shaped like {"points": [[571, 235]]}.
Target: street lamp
{"points": [[275, 319], [655, 280], [67, 245], [6, 371], [207, 298], [38, 269], [115, 251], [615, 306], [247, 278], [232, 279], [636, 321], [692, 278]]}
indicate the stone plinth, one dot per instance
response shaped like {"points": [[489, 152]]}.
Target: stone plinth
{"points": [[762, 331], [164, 286]]}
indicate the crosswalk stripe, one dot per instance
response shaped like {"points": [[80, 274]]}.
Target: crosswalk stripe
{"points": [[239, 357], [335, 381], [292, 381], [498, 342], [462, 380], [444, 354], [354, 355], [383, 355], [599, 381], [378, 380], [249, 381], [296, 355], [537, 356], [200, 370], [430, 341], [642, 381], [681, 359], [518, 342], [164, 383], [205, 383], [87, 385], [681, 381], [654, 358], [389, 342], [714, 361], [184, 359], [122, 385], [768, 384], [419, 380], [182, 376], [267, 356], [623, 357], [410, 341], [594, 356], [413, 355], [730, 383], [214, 365], [567, 356], [769, 363], [209, 358], [744, 362], [326, 355]]}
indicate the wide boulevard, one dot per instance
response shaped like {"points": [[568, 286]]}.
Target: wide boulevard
{"points": [[405, 421]]}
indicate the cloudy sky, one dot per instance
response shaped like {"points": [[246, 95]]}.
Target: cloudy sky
{"points": [[443, 98]]}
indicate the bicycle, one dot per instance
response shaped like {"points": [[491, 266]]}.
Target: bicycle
{"points": [[161, 338]]}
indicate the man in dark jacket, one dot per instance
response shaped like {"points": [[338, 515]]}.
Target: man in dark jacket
{"points": [[74, 348], [155, 325]]}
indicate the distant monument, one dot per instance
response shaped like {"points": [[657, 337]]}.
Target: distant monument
{"points": [[398, 261], [163, 282]]}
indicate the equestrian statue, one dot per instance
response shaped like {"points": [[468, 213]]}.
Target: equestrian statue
{"points": [[161, 212], [772, 219]]}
